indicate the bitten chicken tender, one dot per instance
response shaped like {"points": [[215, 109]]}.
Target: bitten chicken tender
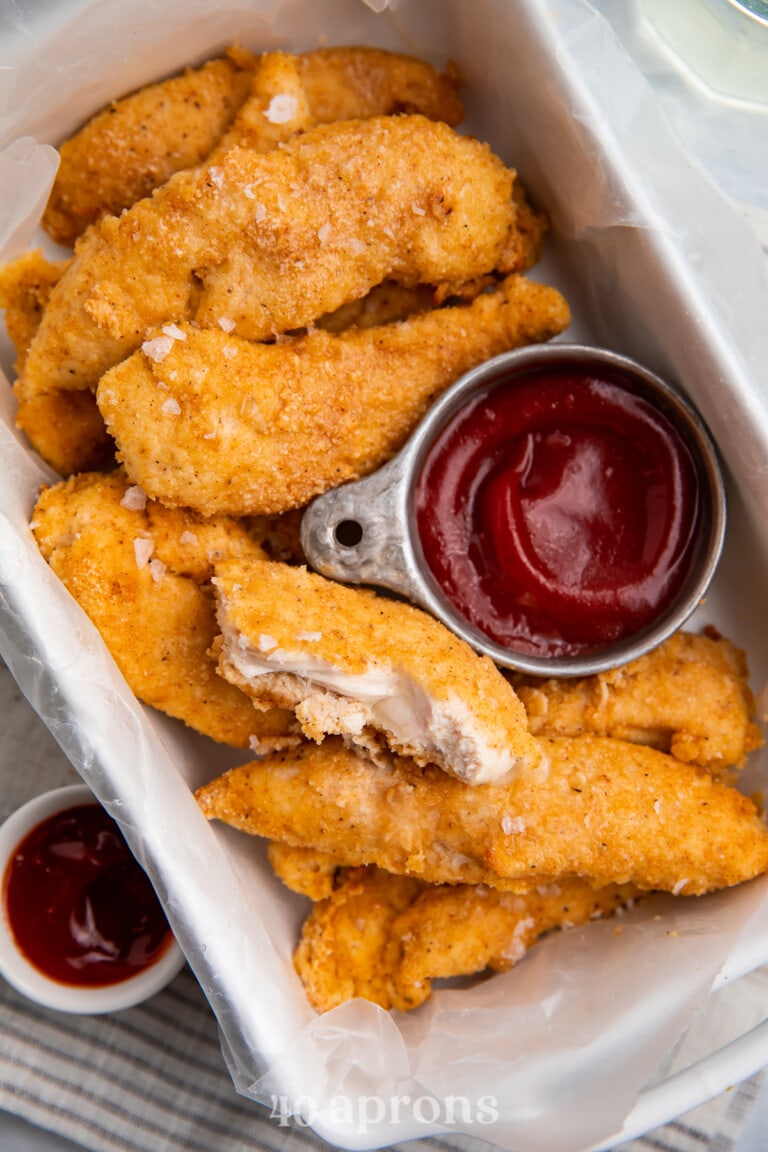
{"points": [[140, 572], [137, 143], [607, 811], [689, 697], [268, 243], [370, 668], [387, 937], [220, 424]]}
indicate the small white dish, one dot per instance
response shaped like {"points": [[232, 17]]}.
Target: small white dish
{"points": [[30, 980]]}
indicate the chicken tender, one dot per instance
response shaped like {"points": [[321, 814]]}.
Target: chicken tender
{"points": [[67, 430], [25, 288], [268, 243], [140, 572], [224, 425], [689, 697], [276, 108], [369, 668], [387, 937], [607, 811], [137, 143], [305, 871]]}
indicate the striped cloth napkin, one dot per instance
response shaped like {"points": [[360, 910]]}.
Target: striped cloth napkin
{"points": [[152, 1078]]}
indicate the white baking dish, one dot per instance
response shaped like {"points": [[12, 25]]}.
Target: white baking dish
{"points": [[655, 266]]}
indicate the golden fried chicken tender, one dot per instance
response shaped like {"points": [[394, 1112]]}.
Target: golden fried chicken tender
{"points": [[225, 425], [137, 143], [387, 303], [355, 83], [303, 870], [67, 430], [139, 571], [268, 243], [689, 697], [25, 288], [605, 810], [386, 937], [275, 109], [367, 667]]}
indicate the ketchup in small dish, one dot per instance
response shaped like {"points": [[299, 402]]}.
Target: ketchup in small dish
{"points": [[559, 510], [80, 908], [80, 928]]}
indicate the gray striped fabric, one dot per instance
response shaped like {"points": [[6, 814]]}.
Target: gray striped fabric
{"points": [[152, 1078]]}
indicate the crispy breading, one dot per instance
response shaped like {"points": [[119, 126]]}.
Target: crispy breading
{"points": [[387, 937], [303, 870], [25, 288], [375, 670], [140, 574], [387, 303], [605, 810], [67, 430], [525, 240], [226, 425], [123, 153], [689, 697], [270, 242], [275, 109], [355, 83]]}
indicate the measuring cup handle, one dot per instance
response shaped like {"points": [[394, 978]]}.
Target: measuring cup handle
{"points": [[359, 534]]}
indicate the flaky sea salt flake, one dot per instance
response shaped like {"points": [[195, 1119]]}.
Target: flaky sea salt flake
{"points": [[174, 332], [158, 348], [226, 324], [157, 570], [171, 407], [216, 175], [282, 108], [135, 498], [142, 550], [324, 233]]}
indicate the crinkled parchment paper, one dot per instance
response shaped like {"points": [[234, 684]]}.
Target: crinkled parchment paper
{"points": [[551, 1056]]}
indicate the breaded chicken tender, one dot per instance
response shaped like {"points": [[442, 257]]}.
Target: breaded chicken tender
{"points": [[386, 937], [141, 573], [607, 811], [275, 109], [137, 143], [25, 288], [67, 430], [268, 243], [220, 424], [689, 697], [369, 668], [305, 871]]}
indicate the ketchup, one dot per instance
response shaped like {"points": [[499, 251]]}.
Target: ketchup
{"points": [[80, 907], [558, 511]]}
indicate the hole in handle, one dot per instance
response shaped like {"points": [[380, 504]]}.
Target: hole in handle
{"points": [[348, 533]]}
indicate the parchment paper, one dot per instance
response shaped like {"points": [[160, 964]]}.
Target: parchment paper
{"points": [[551, 1056]]}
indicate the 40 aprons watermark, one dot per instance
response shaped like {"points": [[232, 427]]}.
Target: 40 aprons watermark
{"points": [[361, 1113]]}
